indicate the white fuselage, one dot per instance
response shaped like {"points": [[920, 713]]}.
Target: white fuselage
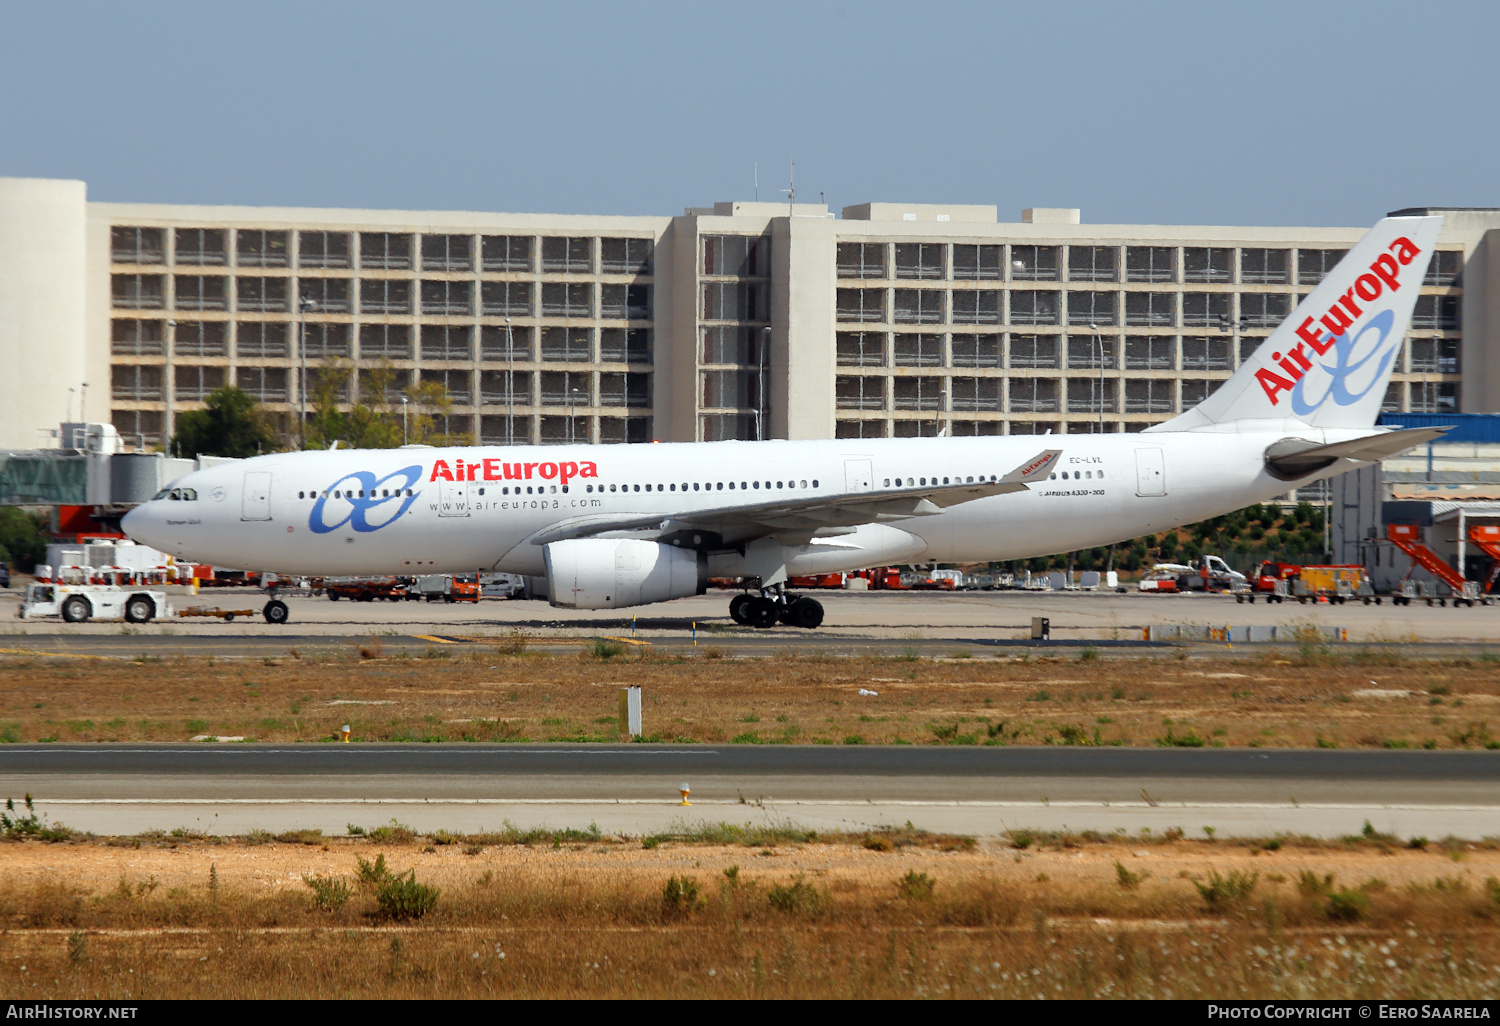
{"points": [[393, 512]]}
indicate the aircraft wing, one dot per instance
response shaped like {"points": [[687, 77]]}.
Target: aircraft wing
{"points": [[832, 514]]}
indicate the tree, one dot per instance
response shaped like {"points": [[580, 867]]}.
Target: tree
{"points": [[373, 421], [231, 424], [23, 537]]}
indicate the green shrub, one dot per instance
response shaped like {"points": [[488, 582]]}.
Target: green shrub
{"points": [[604, 648], [1022, 838], [1127, 879], [680, 896], [401, 897], [329, 893], [1220, 893], [372, 873], [799, 896], [1312, 885], [1347, 905], [915, 886]]}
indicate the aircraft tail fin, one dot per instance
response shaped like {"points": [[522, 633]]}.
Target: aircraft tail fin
{"points": [[1329, 362]]}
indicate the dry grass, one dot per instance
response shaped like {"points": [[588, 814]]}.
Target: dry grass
{"points": [[506, 692], [601, 917]]}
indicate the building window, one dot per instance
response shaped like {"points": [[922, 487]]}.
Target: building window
{"points": [[927, 427], [265, 384], [974, 306], [200, 338], [385, 341], [1206, 354], [567, 345], [322, 249], [1150, 263], [1151, 309], [1151, 352], [735, 301], [1248, 345], [625, 302], [920, 260], [1314, 264], [325, 341], [504, 430], [740, 256], [730, 390], [497, 388], [859, 429], [507, 344], [447, 252], [1446, 268], [200, 246], [860, 348], [143, 427], [1033, 263], [1433, 356], [447, 342], [1263, 310], [1092, 395], [1263, 267], [866, 305], [1092, 352], [138, 384], [257, 247], [918, 306], [627, 256], [1434, 396], [723, 427], [976, 395], [261, 340], [625, 345], [630, 390], [505, 252], [1093, 307], [861, 260], [1195, 390], [261, 295], [328, 295], [1203, 264], [976, 263], [386, 251], [505, 298], [565, 255], [1093, 263], [1395, 393], [733, 344], [914, 349], [1205, 309], [964, 428], [128, 245], [976, 350], [564, 299], [616, 430], [858, 392], [1032, 395], [136, 338], [1035, 352], [448, 298], [199, 292], [918, 393], [1148, 395], [567, 388], [137, 291], [192, 383], [1028, 307], [456, 384], [1430, 312], [384, 296]]}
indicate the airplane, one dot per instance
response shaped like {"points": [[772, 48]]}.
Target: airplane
{"points": [[612, 526]]}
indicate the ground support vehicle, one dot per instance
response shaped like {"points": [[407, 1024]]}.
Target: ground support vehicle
{"points": [[366, 589], [1408, 538], [78, 603], [448, 588]]}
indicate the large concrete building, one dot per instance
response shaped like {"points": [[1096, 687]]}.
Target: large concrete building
{"points": [[735, 321]]}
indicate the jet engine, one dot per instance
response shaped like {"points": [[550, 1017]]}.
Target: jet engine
{"points": [[610, 573]]}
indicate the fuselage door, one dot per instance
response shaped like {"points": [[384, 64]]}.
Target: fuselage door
{"points": [[858, 477], [255, 501], [453, 498], [1150, 472]]}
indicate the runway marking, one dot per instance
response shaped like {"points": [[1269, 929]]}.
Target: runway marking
{"points": [[761, 802], [59, 655], [436, 638]]}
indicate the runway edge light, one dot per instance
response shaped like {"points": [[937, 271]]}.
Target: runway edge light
{"points": [[683, 787]]}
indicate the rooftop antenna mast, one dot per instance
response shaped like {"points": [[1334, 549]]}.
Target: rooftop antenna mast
{"points": [[757, 181], [791, 193]]}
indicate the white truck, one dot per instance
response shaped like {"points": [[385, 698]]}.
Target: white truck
{"points": [[77, 603]]}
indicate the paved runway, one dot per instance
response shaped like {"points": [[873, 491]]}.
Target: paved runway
{"points": [[633, 788]]}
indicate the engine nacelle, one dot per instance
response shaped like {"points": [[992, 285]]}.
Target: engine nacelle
{"points": [[609, 573]]}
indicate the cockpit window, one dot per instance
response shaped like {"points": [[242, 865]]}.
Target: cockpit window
{"points": [[161, 494], [183, 494]]}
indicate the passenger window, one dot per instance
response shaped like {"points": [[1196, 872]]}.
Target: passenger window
{"points": [[721, 486], [637, 487], [481, 491], [803, 484], [945, 480], [815, 482], [299, 495]]}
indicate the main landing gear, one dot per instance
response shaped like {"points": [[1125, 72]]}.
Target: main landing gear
{"points": [[775, 606]]}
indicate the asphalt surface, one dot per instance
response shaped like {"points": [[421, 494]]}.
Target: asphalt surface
{"points": [[231, 788]]}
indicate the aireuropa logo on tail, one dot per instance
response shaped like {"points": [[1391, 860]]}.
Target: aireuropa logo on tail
{"points": [[1358, 358], [370, 504]]}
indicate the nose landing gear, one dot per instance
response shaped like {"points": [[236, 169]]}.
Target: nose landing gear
{"points": [[773, 606]]}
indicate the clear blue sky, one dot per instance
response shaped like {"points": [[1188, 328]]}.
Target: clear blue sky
{"points": [[1250, 113]]}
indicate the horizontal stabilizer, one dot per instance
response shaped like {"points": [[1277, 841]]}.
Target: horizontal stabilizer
{"points": [[1292, 458]]}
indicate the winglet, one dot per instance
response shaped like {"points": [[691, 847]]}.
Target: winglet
{"points": [[1035, 469]]}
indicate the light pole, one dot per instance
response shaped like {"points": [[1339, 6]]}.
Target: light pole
{"points": [[1100, 341], [760, 387], [83, 403], [303, 306], [510, 384], [403, 421], [942, 407], [572, 404]]}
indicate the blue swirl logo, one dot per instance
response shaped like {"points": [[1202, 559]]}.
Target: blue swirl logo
{"points": [[1347, 362], [363, 508]]}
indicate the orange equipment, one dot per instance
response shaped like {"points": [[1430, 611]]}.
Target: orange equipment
{"points": [[1408, 538], [1487, 537]]}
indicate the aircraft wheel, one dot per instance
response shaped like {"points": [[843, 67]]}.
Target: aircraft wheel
{"points": [[139, 609], [763, 612], [275, 611], [807, 613], [1377, 600], [739, 609]]}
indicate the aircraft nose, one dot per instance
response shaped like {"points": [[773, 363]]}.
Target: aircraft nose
{"points": [[138, 522]]}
